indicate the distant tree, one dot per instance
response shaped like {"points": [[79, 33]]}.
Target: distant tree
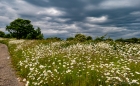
{"points": [[109, 39], [138, 40], [80, 37], [53, 39], [120, 40], [102, 38], [39, 35], [8, 36], [36, 34], [2, 34], [132, 40], [88, 38], [129, 40], [69, 39], [20, 28], [135, 40]]}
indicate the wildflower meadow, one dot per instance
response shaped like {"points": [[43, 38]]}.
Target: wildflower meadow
{"points": [[68, 63]]}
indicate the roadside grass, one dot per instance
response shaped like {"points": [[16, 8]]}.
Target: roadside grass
{"points": [[70, 63]]}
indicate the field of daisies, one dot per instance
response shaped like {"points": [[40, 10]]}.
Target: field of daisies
{"points": [[69, 63]]}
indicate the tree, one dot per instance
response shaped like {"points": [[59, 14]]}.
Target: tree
{"points": [[20, 28], [120, 40], [39, 35], [2, 34], [36, 34], [80, 37], [89, 38], [8, 36], [53, 39], [102, 38], [132, 40], [70, 39]]}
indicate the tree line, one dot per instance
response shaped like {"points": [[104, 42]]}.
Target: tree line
{"points": [[83, 38], [23, 29]]}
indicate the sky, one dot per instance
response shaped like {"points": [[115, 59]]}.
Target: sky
{"points": [[65, 18]]}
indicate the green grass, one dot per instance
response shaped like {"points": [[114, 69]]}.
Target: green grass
{"points": [[64, 63]]}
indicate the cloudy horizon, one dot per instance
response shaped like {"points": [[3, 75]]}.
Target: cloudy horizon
{"points": [[116, 18]]}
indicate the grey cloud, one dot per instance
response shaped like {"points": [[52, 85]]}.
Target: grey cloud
{"points": [[65, 18], [114, 4], [42, 3]]}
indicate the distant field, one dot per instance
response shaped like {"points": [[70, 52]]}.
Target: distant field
{"points": [[69, 63]]}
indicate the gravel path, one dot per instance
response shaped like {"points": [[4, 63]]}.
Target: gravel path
{"points": [[7, 74]]}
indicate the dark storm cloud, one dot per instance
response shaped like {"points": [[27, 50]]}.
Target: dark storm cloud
{"points": [[42, 3], [63, 18]]}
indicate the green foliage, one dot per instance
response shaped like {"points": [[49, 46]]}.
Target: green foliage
{"points": [[80, 38], [39, 35], [119, 40], [103, 38], [8, 36], [83, 38], [99, 39], [130, 40], [53, 39], [109, 39], [70, 39], [89, 38], [20, 28], [2, 34]]}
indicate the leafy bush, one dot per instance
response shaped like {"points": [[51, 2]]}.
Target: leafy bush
{"points": [[2, 34]]}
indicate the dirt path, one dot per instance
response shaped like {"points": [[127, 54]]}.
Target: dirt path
{"points": [[7, 74]]}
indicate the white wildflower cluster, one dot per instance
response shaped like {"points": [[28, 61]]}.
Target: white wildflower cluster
{"points": [[2, 38], [103, 45], [16, 41], [59, 64]]}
